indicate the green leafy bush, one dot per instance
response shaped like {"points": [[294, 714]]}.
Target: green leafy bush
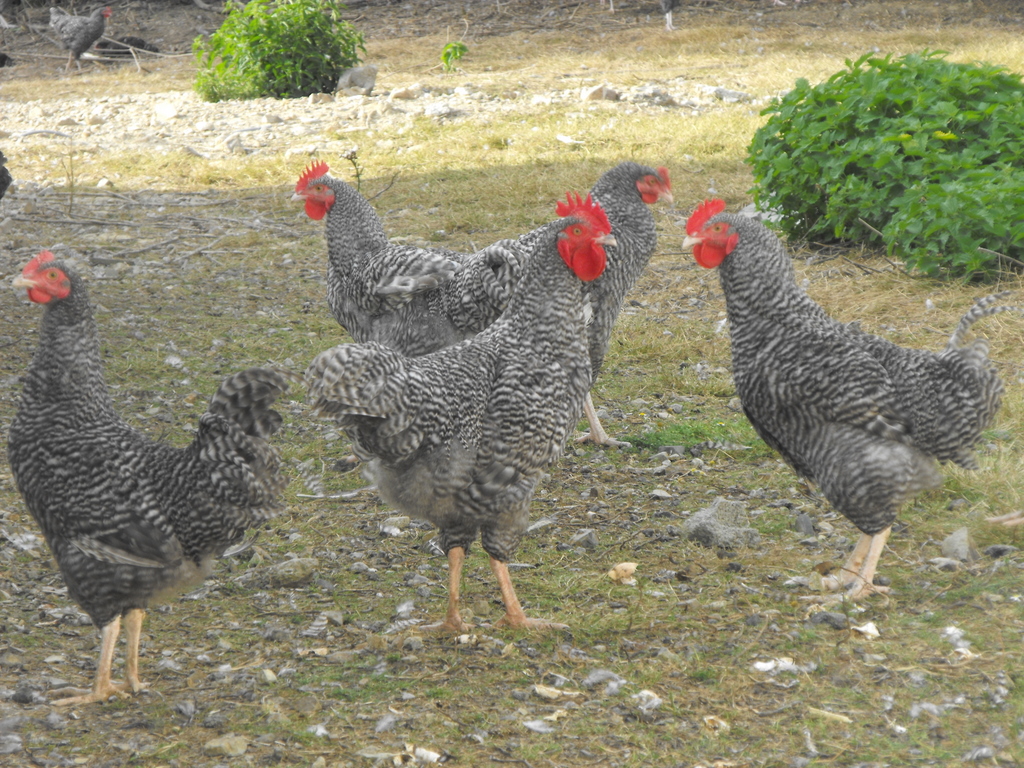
{"points": [[451, 54], [918, 153], [279, 48]]}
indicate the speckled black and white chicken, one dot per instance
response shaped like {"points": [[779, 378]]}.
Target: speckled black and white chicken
{"points": [[129, 520], [864, 419], [418, 300], [624, 192], [78, 33], [461, 436], [415, 300]]}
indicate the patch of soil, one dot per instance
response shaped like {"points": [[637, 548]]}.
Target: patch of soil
{"points": [[172, 26]]}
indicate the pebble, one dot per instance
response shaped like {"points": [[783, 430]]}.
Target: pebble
{"points": [[960, 546], [292, 573], [586, 538], [229, 745]]}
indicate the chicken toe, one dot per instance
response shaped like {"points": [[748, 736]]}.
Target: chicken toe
{"points": [[514, 616]]}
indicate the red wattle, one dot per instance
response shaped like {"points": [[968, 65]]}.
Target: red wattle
{"points": [[315, 209], [39, 296], [708, 256]]}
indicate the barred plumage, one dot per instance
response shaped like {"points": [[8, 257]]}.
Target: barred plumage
{"points": [[624, 192], [462, 436], [414, 300], [78, 33], [865, 419], [469, 291], [128, 519]]}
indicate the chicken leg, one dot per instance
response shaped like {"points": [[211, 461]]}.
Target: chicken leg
{"points": [[861, 564], [102, 687], [452, 621], [597, 435], [132, 633], [514, 616]]}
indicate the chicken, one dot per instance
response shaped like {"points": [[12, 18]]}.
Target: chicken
{"points": [[461, 437], [624, 192], [418, 300], [78, 33], [414, 300], [5, 176], [864, 419], [129, 520]]}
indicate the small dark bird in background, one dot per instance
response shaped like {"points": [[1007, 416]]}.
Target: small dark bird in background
{"points": [[131, 521], [5, 176], [78, 33], [5, 60], [123, 45], [864, 419]]}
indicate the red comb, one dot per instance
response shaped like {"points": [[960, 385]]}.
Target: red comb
{"points": [[663, 174], [588, 210], [704, 211], [314, 171], [41, 258]]}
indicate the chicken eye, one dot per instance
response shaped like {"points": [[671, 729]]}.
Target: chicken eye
{"points": [[577, 230], [51, 275]]}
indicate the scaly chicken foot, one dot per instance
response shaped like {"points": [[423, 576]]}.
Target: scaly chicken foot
{"points": [[514, 616], [133, 632], [102, 688], [861, 565], [1009, 520], [597, 434], [453, 622]]}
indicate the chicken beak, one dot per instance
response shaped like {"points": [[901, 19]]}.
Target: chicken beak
{"points": [[22, 282], [667, 195], [298, 198], [689, 241], [608, 239]]}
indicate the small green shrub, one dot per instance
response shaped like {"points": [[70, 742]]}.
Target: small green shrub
{"points": [[918, 153], [279, 48], [451, 54]]}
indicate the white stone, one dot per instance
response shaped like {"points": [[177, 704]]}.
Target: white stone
{"points": [[164, 110]]}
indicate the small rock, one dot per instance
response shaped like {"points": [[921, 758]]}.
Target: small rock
{"points": [[407, 93], [228, 746], [960, 546], [720, 526], [336, 618], [358, 80], [412, 644], [945, 563], [94, 120], [67, 121], [320, 98], [1000, 550], [164, 110], [803, 524], [292, 573], [730, 96], [831, 619], [586, 538], [599, 93]]}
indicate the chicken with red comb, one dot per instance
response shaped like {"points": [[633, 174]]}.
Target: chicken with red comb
{"points": [[866, 420], [130, 520], [462, 436]]}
